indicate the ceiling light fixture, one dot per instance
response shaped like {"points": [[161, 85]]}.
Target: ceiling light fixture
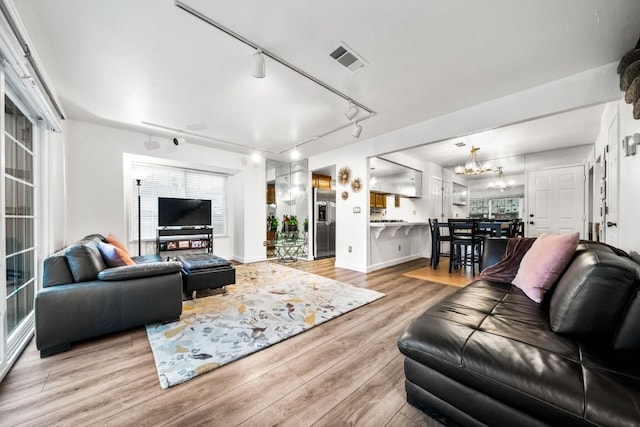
{"points": [[255, 156], [501, 184], [357, 130], [295, 154], [473, 166], [257, 65], [352, 112]]}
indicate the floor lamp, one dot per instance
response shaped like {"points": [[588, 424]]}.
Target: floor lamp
{"points": [[138, 184]]}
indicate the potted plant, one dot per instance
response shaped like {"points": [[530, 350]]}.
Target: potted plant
{"points": [[293, 223], [272, 223]]}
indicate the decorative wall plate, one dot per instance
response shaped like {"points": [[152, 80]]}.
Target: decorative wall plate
{"points": [[344, 175], [345, 195], [356, 185]]}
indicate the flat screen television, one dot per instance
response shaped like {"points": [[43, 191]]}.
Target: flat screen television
{"points": [[173, 212]]}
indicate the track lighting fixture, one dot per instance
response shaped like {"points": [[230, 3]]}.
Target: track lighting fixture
{"points": [[352, 111], [357, 130], [257, 66], [178, 141]]}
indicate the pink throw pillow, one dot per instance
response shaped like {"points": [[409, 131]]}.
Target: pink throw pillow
{"points": [[542, 264]]}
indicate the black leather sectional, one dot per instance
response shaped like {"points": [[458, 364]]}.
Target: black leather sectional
{"points": [[488, 355]]}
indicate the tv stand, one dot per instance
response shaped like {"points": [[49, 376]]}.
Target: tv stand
{"points": [[184, 238]]}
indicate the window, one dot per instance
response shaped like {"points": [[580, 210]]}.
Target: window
{"points": [[167, 181]]}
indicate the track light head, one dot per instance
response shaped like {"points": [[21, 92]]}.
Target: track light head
{"points": [[352, 112], [295, 154], [357, 130], [178, 141], [257, 65]]}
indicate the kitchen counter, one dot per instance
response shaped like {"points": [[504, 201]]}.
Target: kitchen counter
{"points": [[393, 226]]}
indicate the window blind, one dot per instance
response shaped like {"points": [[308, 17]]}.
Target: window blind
{"points": [[167, 181]]}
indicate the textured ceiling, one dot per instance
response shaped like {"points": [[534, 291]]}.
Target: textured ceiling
{"points": [[126, 63]]}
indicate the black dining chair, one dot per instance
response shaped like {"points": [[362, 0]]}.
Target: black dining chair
{"points": [[466, 244], [436, 242]]}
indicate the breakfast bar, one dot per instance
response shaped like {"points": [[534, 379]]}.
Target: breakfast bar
{"points": [[395, 242]]}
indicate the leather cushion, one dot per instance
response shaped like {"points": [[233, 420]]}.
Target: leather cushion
{"points": [[628, 337], [56, 271], [592, 295], [85, 260], [136, 271]]}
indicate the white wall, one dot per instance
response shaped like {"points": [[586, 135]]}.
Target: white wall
{"points": [[98, 186]]}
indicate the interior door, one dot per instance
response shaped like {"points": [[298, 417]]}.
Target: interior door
{"points": [[555, 201], [611, 184]]}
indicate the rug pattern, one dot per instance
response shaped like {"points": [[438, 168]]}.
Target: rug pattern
{"points": [[268, 303]]}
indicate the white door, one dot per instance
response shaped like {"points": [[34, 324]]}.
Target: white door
{"points": [[610, 225], [555, 201]]}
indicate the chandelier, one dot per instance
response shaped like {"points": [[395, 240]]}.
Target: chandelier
{"points": [[501, 184], [473, 166]]}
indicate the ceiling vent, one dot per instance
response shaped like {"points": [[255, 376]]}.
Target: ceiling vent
{"points": [[348, 58]]}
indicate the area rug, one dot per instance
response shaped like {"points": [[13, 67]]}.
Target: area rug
{"points": [[269, 303]]}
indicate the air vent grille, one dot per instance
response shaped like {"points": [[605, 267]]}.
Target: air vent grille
{"points": [[348, 58]]}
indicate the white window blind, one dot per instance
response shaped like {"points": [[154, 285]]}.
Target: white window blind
{"points": [[167, 181]]}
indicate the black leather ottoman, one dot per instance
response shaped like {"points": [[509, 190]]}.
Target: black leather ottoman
{"points": [[205, 271]]}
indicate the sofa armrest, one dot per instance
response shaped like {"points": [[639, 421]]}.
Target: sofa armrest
{"points": [[137, 271]]}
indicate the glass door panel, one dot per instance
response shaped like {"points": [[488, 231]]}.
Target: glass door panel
{"points": [[19, 217]]}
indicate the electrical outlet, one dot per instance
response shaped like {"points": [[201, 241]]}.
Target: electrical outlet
{"points": [[350, 248]]}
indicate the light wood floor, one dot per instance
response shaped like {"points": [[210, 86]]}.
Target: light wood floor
{"points": [[347, 371]]}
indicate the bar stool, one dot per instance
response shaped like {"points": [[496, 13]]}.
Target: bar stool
{"points": [[466, 244], [436, 242]]}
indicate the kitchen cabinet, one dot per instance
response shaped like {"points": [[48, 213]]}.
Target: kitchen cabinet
{"points": [[271, 193], [321, 181], [377, 200]]}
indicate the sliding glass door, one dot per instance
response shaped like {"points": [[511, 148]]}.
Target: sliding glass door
{"points": [[18, 227]]}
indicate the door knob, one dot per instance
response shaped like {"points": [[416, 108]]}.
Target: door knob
{"points": [[531, 222], [611, 224]]}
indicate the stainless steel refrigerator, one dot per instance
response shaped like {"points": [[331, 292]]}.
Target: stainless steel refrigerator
{"points": [[324, 223]]}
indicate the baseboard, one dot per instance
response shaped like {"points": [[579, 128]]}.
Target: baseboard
{"points": [[353, 267], [248, 260], [392, 262]]}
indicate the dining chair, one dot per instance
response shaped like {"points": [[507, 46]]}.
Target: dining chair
{"points": [[436, 242], [466, 244]]}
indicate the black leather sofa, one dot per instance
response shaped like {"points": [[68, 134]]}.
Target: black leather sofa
{"points": [[488, 355], [83, 298]]}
